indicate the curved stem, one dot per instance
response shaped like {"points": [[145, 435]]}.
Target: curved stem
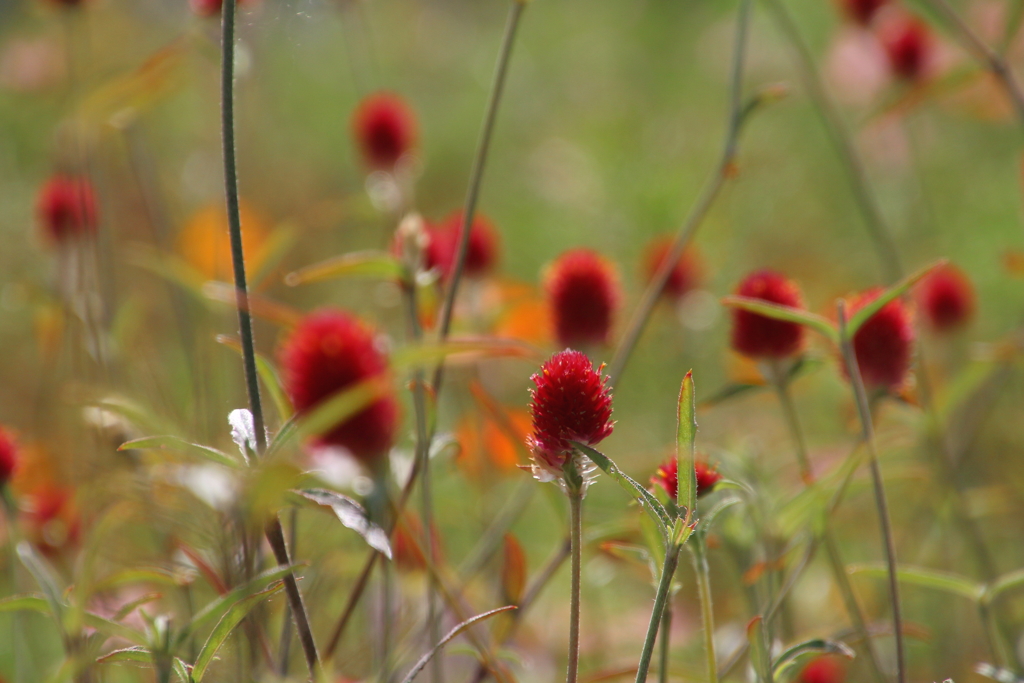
{"points": [[274, 533], [575, 552], [723, 172], [668, 570], [864, 412]]}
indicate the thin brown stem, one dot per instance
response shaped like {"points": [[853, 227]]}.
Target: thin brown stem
{"points": [[868, 431]]}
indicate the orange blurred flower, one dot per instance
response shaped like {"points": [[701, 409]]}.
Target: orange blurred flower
{"points": [[205, 244], [488, 445]]}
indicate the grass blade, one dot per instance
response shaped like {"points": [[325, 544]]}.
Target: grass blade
{"points": [[425, 659]]}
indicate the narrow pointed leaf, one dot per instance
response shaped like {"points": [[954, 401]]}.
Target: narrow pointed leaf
{"points": [[425, 659], [797, 654], [1006, 582], [897, 290], [431, 353], [45, 577], [136, 653], [341, 406], [130, 607], [646, 499], [513, 570], [760, 655], [25, 603], [371, 264], [178, 445], [352, 515], [686, 437], [183, 670], [112, 629], [799, 316], [706, 521], [216, 609], [946, 582], [268, 375], [225, 626]]}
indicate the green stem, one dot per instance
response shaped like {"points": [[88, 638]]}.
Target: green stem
{"points": [[721, 174], [575, 552], [668, 570], [707, 614], [993, 634], [864, 412], [666, 639], [273, 531]]}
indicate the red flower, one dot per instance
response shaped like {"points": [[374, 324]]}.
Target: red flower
{"points": [[51, 519], [482, 254], [571, 402], [684, 275], [758, 336], [66, 207], [583, 294], [384, 128], [907, 44], [862, 11], [667, 477], [8, 456], [947, 298], [884, 344], [823, 669], [209, 8], [330, 351]]}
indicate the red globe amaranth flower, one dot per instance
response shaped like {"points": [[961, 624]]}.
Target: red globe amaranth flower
{"points": [[483, 248], [209, 8], [8, 456], [571, 402], [884, 344], [946, 298], [583, 295], [66, 208], [862, 11], [823, 669], [683, 277], [330, 351], [667, 477], [907, 45], [384, 128], [758, 336]]}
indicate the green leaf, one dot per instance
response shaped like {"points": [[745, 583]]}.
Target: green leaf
{"points": [[706, 521], [225, 626], [179, 445], [267, 371], [799, 316], [425, 659], [217, 608], [112, 628], [157, 575], [46, 578], [898, 289], [371, 264], [25, 603], [352, 515], [169, 267], [686, 437], [1004, 583], [130, 607], [799, 652], [272, 253], [431, 353], [760, 655], [339, 407], [946, 582], [183, 670], [646, 499], [136, 653]]}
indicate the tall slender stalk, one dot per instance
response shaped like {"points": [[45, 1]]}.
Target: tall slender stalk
{"points": [[668, 571], [864, 412], [666, 640], [878, 229], [273, 531], [700, 564], [723, 172], [842, 579], [575, 551]]}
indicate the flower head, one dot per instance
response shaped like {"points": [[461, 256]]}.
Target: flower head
{"points": [[862, 11], [946, 298], [908, 46], [8, 456], [884, 344], [758, 336], [823, 669], [66, 207], [583, 294], [330, 351], [483, 248], [684, 274], [667, 477], [384, 128], [209, 8], [570, 402]]}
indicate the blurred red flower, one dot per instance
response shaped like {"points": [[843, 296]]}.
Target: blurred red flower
{"points": [[9, 456], [685, 274], [884, 344], [758, 336], [484, 244], [583, 294], [823, 669], [66, 207], [946, 297], [907, 44], [667, 477], [384, 128]]}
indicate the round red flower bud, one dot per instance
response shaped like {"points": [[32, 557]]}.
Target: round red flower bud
{"points": [[583, 295], [8, 456], [884, 344], [66, 207], [757, 336], [384, 128], [823, 669], [330, 351], [570, 402], [946, 297], [907, 44], [667, 477], [862, 11], [483, 248], [683, 277]]}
